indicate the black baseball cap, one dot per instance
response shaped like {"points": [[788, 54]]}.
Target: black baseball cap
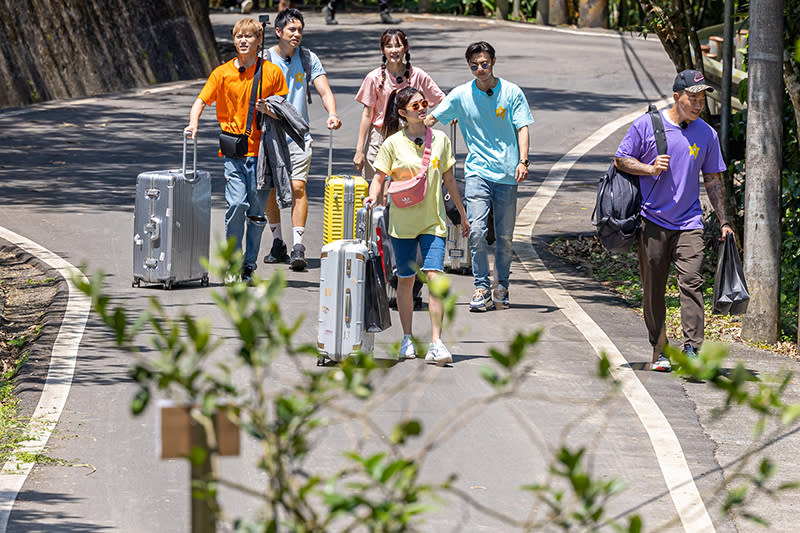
{"points": [[692, 81]]}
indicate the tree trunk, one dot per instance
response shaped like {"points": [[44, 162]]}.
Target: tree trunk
{"points": [[70, 48], [502, 10], [542, 12], [593, 14], [763, 184], [557, 14]]}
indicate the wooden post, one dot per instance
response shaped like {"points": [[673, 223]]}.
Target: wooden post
{"points": [[762, 232]]}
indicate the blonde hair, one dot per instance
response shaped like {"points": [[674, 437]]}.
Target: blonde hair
{"points": [[249, 25]]}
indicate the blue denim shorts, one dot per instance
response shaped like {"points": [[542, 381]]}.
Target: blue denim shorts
{"points": [[405, 254]]}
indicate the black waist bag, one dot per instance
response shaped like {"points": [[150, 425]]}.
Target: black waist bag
{"points": [[233, 145]]}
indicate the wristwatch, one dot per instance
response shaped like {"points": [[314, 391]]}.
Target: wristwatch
{"points": [[524, 162]]}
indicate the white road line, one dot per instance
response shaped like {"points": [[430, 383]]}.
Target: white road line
{"points": [[59, 375], [667, 448]]}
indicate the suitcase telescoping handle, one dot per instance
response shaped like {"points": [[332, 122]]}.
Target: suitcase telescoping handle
{"points": [[368, 234], [194, 176], [330, 152], [453, 142]]}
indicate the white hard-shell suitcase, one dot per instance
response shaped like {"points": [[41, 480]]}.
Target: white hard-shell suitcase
{"points": [[172, 225], [341, 331], [457, 254]]}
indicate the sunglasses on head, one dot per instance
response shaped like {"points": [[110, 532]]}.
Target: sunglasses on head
{"points": [[416, 106], [483, 65]]}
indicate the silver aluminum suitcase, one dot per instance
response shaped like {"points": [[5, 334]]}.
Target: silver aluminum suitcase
{"points": [[341, 331], [380, 235], [457, 255], [172, 225]]}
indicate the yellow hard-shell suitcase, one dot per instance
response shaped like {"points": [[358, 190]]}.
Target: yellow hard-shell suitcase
{"points": [[343, 196]]}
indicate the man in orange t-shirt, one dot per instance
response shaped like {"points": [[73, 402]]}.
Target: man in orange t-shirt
{"points": [[229, 87]]}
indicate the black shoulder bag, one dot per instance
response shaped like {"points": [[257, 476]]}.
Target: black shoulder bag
{"points": [[235, 145]]}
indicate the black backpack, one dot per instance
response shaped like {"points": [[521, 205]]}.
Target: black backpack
{"points": [[619, 199]]}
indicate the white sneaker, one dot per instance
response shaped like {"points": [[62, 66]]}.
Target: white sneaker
{"points": [[438, 354], [247, 5], [407, 348]]}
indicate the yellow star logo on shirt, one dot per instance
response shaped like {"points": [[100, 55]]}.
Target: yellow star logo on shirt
{"points": [[435, 162], [298, 78], [500, 112], [694, 150]]}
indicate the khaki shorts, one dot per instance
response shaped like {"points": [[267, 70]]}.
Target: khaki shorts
{"points": [[301, 161], [374, 141]]}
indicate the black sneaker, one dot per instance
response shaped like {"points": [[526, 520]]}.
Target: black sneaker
{"points": [[278, 253], [247, 274], [299, 258]]}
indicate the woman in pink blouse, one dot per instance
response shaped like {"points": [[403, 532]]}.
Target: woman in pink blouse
{"points": [[394, 73]]}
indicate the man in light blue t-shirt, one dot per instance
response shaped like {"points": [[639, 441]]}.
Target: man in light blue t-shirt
{"points": [[301, 67], [494, 117]]}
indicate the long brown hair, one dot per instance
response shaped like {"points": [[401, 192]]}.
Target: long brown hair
{"points": [[386, 38], [398, 100]]}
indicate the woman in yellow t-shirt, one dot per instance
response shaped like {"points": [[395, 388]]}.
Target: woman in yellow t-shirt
{"points": [[400, 157]]}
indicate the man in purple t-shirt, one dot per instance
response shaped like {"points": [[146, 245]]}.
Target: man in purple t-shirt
{"points": [[672, 226]]}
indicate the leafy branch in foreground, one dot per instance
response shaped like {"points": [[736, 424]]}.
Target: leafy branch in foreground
{"points": [[376, 484]]}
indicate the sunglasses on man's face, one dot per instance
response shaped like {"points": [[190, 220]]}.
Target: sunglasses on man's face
{"points": [[484, 66], [416, 106]]}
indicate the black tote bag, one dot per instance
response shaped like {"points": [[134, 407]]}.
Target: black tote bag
{"points": [[376, 305], [730, 288]]}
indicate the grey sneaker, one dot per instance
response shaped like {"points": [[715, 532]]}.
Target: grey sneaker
{"points": [[298, 258], [386, 18], [438, 354], [481, 301], [690, 351], [500, 297], [407, 348], [330, 16], [662, 364], [277, 253]]}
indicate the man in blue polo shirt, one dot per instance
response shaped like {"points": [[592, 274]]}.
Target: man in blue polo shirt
{"points": [[301, 67], [494, 117]]}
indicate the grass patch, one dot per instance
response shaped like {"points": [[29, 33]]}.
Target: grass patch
{"points": [[620, 274], [44, 281], [12, 427]]}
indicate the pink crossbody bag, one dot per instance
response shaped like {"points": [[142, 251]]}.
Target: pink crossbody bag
{"points": [[411, 192]]}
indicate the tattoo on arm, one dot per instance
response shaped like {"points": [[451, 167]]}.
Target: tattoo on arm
{"points": [[716, 196], [633, 166]]}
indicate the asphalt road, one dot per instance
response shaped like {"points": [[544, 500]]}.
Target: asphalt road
{"points": [[67, 178]]}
